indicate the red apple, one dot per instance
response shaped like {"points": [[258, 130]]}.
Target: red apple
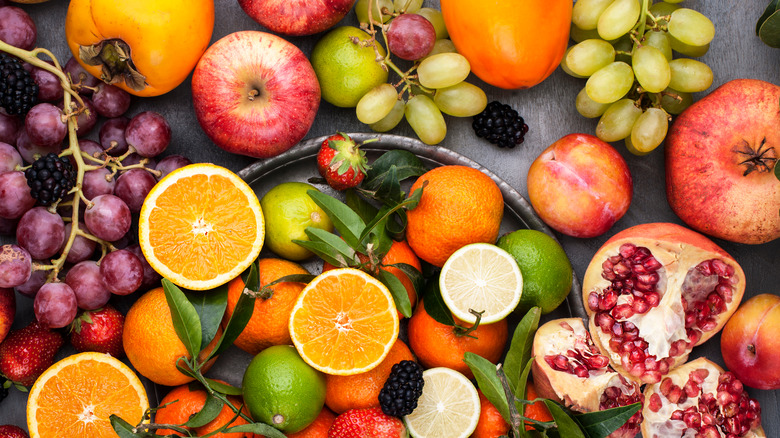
{"points": [[297, 17], [7, 310], [750, 344], [255, 94], [580, 186]]}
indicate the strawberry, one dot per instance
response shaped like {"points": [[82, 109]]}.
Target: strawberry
{"points": [[28, 352], [341, 162], [99, 330], [11, 431], [367, 423]]}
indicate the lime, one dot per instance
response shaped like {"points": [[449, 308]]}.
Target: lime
{"points": [[282, 390], [288, 210], [346, 70], [546, 269], [448, 407]]}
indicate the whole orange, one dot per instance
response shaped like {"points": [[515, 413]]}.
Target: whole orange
{"points": [[185, 401], [491, 423], [319, 428], [151, 343], [537, 411], [268, 325], [362, 390], [439, 345], [459, 205]]}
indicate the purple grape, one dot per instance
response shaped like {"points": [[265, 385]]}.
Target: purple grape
{"points": [[81, 249], [9, 157], [49, 87], [110, 101], [151, 277], [96, 183], [31, 151], [171, 163], [15, 198], [45, 124], [133, 186], [15, 265], [83, 82], [112, 136], [122, 272], [148, 133], [8, 226], [123, 242], [87, 283], [134, 159], [17, 28], [9, 128], [55, 305], [40, 232], [410, 37], [30, 287], [86, 119], [91, 148], [108, 218]]}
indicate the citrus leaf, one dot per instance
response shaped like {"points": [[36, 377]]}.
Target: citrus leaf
{"points": [[207, 413], [566, 425], [414, 198], [241, 314], [488, 382], [520, 347], [398, 291], [346, 221], [210, 306], [777, 170], [600, 424], [415, 276], [384, 215], [363, 208], [123, 428], [224, 388], [185, 318], [186, 370], [770, 30], [325, 252], [406, 163], [770, 9], [434, 304], [389, 192], [257, 428], [319, 235]]}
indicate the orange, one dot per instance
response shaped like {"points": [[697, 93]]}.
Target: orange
{"points": [[491, 423], [438, 345], [362, 390], [269, 323], [344, 322], [537, 411], [183, 402], [201, 226], [399, 252], [151, 343], [317, 429], [459, 205], [76, 396]]}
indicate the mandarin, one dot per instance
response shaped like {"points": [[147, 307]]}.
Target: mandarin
{"points": [[184, 401], [317, 429], [537, 411], [491, 423]]}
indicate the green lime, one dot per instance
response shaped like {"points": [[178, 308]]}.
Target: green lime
{"points": [[346, 70], [288, 210], [546, 269], [282, 390]]}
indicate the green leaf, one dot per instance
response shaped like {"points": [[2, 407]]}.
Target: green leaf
{"points": [[363, 208], [185, 318], [123, 428], [224, 388], [600, 424], [182, 364], [414, 198], [488, 381], [415, 276], [210, 306], [257, 428], [390, 190], [770, 30], [208, 412], [567, 427], [434, 304], [346, 221], [520, 347], [334, 241], [384, 215], [770, 9], [398, 290], [406, 165], [777, 170], [241, 314], [521, 385], [325, 252]]}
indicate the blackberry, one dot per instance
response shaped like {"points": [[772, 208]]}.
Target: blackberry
{"points": [[402, 388], [50, 178], [18, 91], [501, 125]]}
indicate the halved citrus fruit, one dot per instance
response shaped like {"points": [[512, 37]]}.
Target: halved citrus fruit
{"points": [[481, 277], [344, 322], [76, 396], [201, 226], [448, 407]]}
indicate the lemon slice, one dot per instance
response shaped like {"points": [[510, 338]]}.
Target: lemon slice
{"points": [[482, 277], [448, 407]]}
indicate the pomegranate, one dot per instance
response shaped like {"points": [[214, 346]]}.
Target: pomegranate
{"points": [[720, 156], [569, 368], [700, 400], [653, 292]]}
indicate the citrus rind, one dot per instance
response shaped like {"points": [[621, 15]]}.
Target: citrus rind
{"points": [[448, 407]]}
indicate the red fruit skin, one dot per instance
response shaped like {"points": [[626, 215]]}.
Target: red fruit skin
{"points": [[367, 423], [28, 352], [103, 335], [7, 311], [750, 345], [705, 182], [297, 17], [351, 178], [11, 431]]}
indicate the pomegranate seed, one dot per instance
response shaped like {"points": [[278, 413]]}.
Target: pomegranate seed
{"points": [[608, 275], [663, 366], [627, 250], [692, 420], [561, 362], [593, 301], [678, 348], [675, 394], [622, 311], [707, 418], [637, 369], [699, 375], [651, 264], [724, 290], [715, 303], [597, 362], [709, 431], [651, 364], [653, 299], [643, 287], [615, 259], [614, 343], [581, 371], [693, 335], [621, 270], [612, 392], [730, 410], [608, 300], [651, 377], [677, 415], [651, 278], [629, 326], [692, 388], [639, 269], [617, 328], [637, 355], [655, 403], [704, 268], [604, 321], [640, 306], [720, 268], [702, 311], [736, 387], [607, 265], [724, 398], [708, 325], [627, 347]]}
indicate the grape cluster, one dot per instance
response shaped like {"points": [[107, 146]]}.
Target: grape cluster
{"points": [[70, 200], [625, 48], [432, 85]]}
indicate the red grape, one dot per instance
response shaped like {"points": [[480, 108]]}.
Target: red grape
{"points": [[30, 287], [122, 272], [45, 125], [9, 157], [95, 183], [15, 198], [49, 87], [81, 249], [55, 305], [40, 232], [110, 101], [83, 82], [9, 128], [410, 37], [17, 28], [112, 136], [108, 218], [15, 265], [31, 151], [133, 186], [149, 133], [171, 163], [151, 277], [86, 119], [87, 283], [8, 226]]}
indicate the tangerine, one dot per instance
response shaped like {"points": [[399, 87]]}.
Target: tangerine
{"points": [[537, 411], [491, 424], [184, 401], [319, 428]]}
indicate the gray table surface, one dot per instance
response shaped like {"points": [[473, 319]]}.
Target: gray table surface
{"points": [[548, 109]]}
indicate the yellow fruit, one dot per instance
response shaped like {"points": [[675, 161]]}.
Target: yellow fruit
{"points": [[448, 407]]}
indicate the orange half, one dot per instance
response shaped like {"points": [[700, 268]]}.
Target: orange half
{"points": [[76, 396], [344, 322], [201, 226]]}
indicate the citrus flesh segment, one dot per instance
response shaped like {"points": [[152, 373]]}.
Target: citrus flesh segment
{"points": [[482, 277], [344, 322], [76, 396], [448, 407], [201, 226]]}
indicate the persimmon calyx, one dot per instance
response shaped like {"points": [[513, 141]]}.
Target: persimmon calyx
{"points": [[114, 58]]}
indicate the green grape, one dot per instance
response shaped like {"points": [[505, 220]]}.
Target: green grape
{"points": [[690, 75], [659, 40], [618, 19], [587, 107], [675, 102], [687, 49], [649, 130], [691, 27], [361, 10], [443, 45], [435, 17], [461, 100], [632, 149], [408, 6], [443, 70], [425, 119], [674, 1], [617, 121], [589, 56], [579, 35], [392, 118], [651, 68], [375, 104], [623, 47], [662, 9], [565, 67], [585, 13], [610, 83]]}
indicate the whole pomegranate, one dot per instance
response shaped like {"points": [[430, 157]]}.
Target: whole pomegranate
{"points": [[720, 156], [653, 292], [700, 399], [569, 368]]}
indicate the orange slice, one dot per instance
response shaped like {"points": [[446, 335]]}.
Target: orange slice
{"points": [[76, 396], [201, 226], [344, 322]]}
